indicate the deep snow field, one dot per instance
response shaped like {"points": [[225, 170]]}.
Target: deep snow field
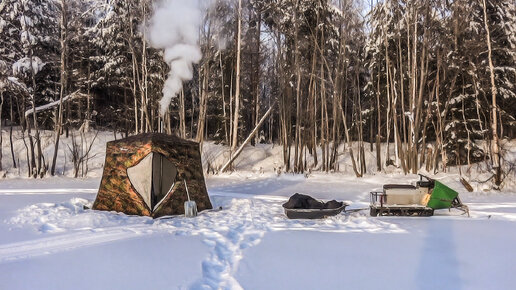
{"points": [[48, 241]]}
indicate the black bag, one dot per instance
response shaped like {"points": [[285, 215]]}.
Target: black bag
{"points": [[303, 201]]}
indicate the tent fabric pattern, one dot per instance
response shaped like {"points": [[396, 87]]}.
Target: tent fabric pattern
{"points": [[117, 193]]}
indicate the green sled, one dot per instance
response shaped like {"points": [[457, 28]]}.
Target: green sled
{"points": [[442, 196]]}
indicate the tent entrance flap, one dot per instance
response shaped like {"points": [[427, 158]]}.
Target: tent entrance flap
{"points": [[140, 177], [153, 178], [164, 174]]}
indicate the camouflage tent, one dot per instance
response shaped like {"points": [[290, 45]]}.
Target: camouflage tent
{"points": [[145, 174]]}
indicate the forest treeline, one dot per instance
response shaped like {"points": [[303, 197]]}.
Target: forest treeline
{"points": [[427, 79]]}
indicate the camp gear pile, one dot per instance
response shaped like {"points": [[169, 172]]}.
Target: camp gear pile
{"points": [[301, 206]]}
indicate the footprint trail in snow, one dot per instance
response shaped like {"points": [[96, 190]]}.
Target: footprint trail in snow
{"points": [[237, 231], [241, 224]]}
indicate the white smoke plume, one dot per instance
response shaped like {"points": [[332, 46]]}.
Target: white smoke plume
{"points": [[174, 27]]}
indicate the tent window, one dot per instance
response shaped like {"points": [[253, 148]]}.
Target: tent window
{"points": [[153, 178]]}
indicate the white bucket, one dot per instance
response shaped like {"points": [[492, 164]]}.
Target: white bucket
{"points": [[190, 209]]}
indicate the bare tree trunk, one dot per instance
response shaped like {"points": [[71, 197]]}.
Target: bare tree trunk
{"points": [[398, 148], [371, 131], [237, 82], [439, 130], [182, 117], [37, 155], [388, 113], [226, 134], [192, 115], [378, 125], [424, 60], [257, 75], [314, 118], [88, 103], [202, 105], [11, 131], [284, 106], [35, 158], [477, 107], [204, 73], [63, 82], [428, 114], [144, 115], [136, 128], [494, 109], [360, 129], [323, 120], [336, 122], [231, 96], [413, 87], [30, 159], [297, 137], [145, 120], [346, 131], [467, 132], [312, 104], [402, 90], [337, 95], [135, 74]]}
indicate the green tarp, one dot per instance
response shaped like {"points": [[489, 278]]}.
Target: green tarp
{"points": [[442, 196]]}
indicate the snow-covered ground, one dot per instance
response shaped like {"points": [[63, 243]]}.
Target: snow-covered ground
{"points": [[49, 241]]}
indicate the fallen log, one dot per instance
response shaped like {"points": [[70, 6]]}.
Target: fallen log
{"points": [[52, 104], [466, 184], [248, 139]]}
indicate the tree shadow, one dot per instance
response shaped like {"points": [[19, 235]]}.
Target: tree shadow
{"points": [[438, 265]]}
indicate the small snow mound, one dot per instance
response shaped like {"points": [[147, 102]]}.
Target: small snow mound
{"points": [[50, 228], [70, 215]]}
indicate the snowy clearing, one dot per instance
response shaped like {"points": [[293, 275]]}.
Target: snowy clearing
{"points": [[218, 104], [49, 241]]}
